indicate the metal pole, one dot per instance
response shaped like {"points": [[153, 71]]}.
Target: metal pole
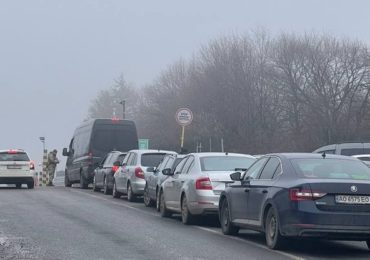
{"points": [[210, 144], [123, 103], [182, 136], [222, 145]]}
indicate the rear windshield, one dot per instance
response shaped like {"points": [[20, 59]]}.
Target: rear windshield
{"points": [[110, 137], [151, 159], [225, 163], [19, 156], [331, 169]]}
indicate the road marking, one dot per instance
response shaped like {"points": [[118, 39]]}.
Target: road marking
{"points": [[250, 243], [123, 204]]}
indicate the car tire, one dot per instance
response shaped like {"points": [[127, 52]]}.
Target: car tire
{"points": [[116, 194], [106, 190], [31, 185], [165, 213], [96, 189], [67, 183], [130, 195], [186, 217], [157, 201], [227, 227], [147, 200], [368, 244], [274, 239], [18, 185], [83, 182]]}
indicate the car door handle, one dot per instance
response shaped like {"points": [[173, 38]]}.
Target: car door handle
{"points": [[247, 189], [264, 191]]}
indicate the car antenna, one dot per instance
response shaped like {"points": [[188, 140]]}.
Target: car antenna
{"points": [[323, 155]]}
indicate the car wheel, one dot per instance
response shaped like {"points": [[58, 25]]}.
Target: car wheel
{"points": [[83, 182], [95, 188], [157, 200], [67, 183], [162, 207], [272, 230], [226, 225], [186, 217], [147, 200], [115, 193], [106, 190], [18, 185], [130, 195], [31, 185]]}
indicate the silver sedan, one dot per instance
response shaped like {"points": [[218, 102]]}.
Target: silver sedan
{"points": [[197, 182]]}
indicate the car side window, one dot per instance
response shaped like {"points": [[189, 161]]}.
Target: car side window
{"points": [[162, 164], [134, 159], [127, 158], [255, 169], [269, 169], [169, 163], [180, 166], [104, 160], [188, 165]]}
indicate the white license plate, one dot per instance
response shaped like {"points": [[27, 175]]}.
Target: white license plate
{"points": [[350, 199], [14, 167]]}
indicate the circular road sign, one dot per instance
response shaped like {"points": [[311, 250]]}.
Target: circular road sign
{"points": [[184, 116]]}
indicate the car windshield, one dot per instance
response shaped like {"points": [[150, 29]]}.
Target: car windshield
{"points": [[151, 159], [331, 169], [225, 163], [19, 156]]}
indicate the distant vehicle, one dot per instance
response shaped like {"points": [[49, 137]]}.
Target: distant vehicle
{"points": [[16, 168], [103, 174], [58, 179], [91, 141], [363, 157], [130, 177], [345, 149], [154, 181], [299, 195], [197, 182]]}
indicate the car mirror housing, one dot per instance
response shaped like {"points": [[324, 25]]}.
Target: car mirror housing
{"points": [[236, 176], [65, 152], [167, 171]]}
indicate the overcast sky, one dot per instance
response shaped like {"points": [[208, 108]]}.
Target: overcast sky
{"points": [[56, 55]]}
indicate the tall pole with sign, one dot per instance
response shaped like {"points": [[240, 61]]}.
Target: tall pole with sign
{"points": [[184, 117]]}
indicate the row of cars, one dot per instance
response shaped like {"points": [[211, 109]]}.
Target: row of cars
{"points": [[282, 195]]}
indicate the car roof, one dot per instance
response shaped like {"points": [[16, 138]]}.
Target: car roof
{"points": [[208, 154], [14, 150], [310, 156], [151, 151]]}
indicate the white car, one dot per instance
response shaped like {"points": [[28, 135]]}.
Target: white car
{"points": [[16, 168], [363, 157]]}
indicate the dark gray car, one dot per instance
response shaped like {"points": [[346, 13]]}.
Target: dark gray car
{"points": [[154, 180]]}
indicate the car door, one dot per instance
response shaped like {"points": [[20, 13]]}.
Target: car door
{"points": [[169, 188], [99, 172], [239, 192], [181, 179], [260, 187], [129, 170], [152, 178], [119, 176]]}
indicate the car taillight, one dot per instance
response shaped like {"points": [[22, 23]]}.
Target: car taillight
{"points": [[299, 195], [139, 173], [203, 184], [32, 165], [114, 168]]}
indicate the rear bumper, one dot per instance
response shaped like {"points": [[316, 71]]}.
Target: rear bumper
{"points": [[138, 186], [16, 180], [204, 203]]}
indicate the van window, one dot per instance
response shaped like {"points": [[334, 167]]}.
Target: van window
{"points": [[352, 151], [118, 137]]}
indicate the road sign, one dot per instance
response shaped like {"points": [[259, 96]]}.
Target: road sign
{"points": [[143, 144], [184, 116]]}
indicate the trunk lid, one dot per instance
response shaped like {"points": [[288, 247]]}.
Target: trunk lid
{"points": [[219, 180]]}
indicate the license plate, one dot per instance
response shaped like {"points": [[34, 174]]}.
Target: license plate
{"points": [[349, 199], [14, 167]]}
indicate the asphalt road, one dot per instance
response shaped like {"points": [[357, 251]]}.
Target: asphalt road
{"points": [[69, 223]]}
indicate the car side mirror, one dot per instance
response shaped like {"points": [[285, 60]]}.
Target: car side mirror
{"points": [[150, 169], [236, 176], [117, 163], [65, 152], [167, 172]]}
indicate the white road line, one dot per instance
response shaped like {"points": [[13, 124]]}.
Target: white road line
{"points": [[250, 243], [291, 256]]}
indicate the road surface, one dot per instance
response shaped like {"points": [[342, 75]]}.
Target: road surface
{"points": [[69, 223]]}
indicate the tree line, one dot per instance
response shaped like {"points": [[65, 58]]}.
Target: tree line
{"points": [[257, 92]]}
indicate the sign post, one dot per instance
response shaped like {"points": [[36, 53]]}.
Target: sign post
{"points": [[184, 117]]}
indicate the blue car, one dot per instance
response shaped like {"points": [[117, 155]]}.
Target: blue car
{"points": [[299, 195]]}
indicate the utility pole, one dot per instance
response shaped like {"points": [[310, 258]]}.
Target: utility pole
{"points": [[210, 144], [123, 103], [222, 145]]}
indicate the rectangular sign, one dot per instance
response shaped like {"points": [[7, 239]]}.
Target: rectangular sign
{"points": [[143, 144]]}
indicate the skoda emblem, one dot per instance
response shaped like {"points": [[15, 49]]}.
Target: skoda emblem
{"points": [[353, 188]]}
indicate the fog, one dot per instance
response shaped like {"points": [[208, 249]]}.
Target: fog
{"points": [[56, 55]]}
